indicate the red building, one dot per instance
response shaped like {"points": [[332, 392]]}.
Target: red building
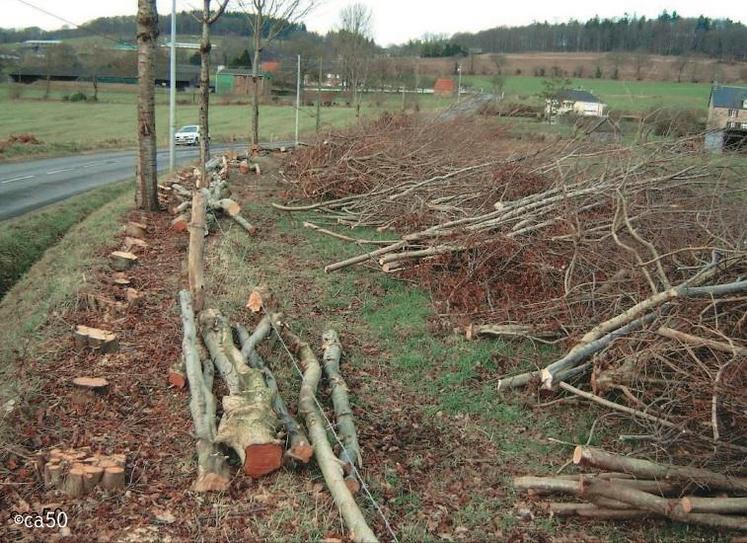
{"points": [[444, 87]]}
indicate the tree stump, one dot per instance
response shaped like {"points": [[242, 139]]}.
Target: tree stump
{"points": [[101, 340], [122, 260]]}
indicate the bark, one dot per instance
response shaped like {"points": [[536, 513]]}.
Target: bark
{"points": [[571, 485], [122, 260], [258, 25], [101, 340], [330, 466], [196, 252], [684, 337], [350, 453], [694, 504], [364, 257], [589, 456], [205, 47], [299, 448], [147, 34], [511, 330], [590, 510], [661, 506], [212, 471], [249, 425]]}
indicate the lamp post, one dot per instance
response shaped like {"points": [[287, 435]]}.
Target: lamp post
{"points": [[172, 89], [459, 86]]}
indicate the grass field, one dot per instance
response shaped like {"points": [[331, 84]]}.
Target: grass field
{"points": [[619, 95]]}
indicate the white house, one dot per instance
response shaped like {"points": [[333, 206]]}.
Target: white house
{"points": [[577, 102]]}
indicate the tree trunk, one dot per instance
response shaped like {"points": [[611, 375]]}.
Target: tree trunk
{"points": [[349, 454], [249, 425], [212, 472], [299, 448], [147, 33], [330, 466], [258, 23], [195, 255], [204, 94]]}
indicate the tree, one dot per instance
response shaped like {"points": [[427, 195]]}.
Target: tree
{"points": [[679, 64], [356, 47], [146, 196], [267, 19], [205, 46]]}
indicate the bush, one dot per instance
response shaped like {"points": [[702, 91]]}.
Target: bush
{"points": [[77, 97], [676, 122]]}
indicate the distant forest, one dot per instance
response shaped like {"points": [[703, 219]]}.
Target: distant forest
{"points": [[123, 27], [668, 34]]}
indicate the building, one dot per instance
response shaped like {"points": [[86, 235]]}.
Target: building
{"points": [[232, 81], [727, 118], [575, 102], [444, 87]]}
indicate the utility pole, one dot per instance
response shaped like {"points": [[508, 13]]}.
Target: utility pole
{"points": [[459, 86], [298, 95], [319, 96], [172, 93]]}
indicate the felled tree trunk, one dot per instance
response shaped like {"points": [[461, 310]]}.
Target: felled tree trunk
{"points": [[249, 425], [349, 454], [299, 447], [212, 472], [195, 254], [330, 466]]}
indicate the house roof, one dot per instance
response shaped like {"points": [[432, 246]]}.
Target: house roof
{"points": [[730, 97], [578, 95]]}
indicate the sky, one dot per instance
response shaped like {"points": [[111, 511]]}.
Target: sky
{"points": [[395, 21]]}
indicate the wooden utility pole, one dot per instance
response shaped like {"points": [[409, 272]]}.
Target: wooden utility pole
{"points": [[319, 96], [146, 196]]}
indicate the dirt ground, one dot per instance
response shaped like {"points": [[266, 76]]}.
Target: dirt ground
{"points": [[438, 452]]}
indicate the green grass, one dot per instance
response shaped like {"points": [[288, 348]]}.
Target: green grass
{"points": [[631, 96], [24, 240]]}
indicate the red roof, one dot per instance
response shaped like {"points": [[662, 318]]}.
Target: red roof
{"points": [[270, 66], [444, 85]]}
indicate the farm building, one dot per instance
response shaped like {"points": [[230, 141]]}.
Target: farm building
{"points": [[444, 87], [576, 102], [240, 81], [727, 118]]}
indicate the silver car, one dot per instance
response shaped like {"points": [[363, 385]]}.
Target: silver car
{"points": [[188, 135]]}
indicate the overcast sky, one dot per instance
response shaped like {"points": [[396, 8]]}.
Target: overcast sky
{"points": [[396, 21]]}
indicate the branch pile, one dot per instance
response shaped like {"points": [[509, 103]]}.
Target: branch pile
{"points": [[633, 259]]}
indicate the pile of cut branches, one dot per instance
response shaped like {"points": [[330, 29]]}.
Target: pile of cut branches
{"points": [[633, 258]]}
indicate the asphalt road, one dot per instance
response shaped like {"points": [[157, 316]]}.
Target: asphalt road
{"points": [[28, 185]]}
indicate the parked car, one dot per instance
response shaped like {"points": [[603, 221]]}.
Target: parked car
{"points": [[188, 135]]}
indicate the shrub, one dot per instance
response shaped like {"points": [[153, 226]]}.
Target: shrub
{"points": [[78, 97], [676, 122]]}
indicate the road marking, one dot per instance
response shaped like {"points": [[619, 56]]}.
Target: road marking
{"points": [[14, 179], [52, 172], [88, 165]]}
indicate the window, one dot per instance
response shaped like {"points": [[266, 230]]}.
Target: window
{"points": [[744, 104], [732, 113], [744, 126]]}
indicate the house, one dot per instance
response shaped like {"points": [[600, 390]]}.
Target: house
{"points": [[444, 87], [240, 81], [575, 102], [727, 118]]}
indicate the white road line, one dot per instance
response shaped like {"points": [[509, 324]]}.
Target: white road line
{"points": [[14, 179], [52, 172]]}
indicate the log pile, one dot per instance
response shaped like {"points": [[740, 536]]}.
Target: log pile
{"points": [[630, 260], [78, 471], [632, 488]]}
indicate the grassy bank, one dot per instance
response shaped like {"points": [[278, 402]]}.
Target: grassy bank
{"points": [[24, 240]]}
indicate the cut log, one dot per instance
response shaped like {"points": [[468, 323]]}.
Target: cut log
{"points": [[696, 504], [101, 340], [91, 383], [244, 167], [259, 298], [195, 254], [136, 229], [177, 376], [133, 242], [120, 279], [539, 486], [349, 454], [661, 506], [590, 510], [122, 260], [182, 207], [180, 223], [299, 448], [212, 471], [590, 456], [325, 457], [228, 206], [511, 331], [249, 425], [91, 477], [74, 481]]}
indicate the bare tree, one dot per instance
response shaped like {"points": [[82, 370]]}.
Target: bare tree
{"points": [[146, 195], [207, 20], [267, 19], [356, 47]]}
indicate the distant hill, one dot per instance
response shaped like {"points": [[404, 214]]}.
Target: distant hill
{"points": [[668, 34], [232, 23]]}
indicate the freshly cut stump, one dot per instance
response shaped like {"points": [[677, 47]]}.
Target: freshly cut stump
{"points": [[101, 340], [122, 260], [136, 229], [91, 383]]}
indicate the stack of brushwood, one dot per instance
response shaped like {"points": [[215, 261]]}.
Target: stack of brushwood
{"points": [[632, 260], [633, 489]]}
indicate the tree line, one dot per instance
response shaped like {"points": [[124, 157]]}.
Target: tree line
{"points": [[667, 34]]}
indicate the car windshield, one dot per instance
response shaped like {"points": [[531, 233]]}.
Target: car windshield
{"points": [[188, 129]]}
